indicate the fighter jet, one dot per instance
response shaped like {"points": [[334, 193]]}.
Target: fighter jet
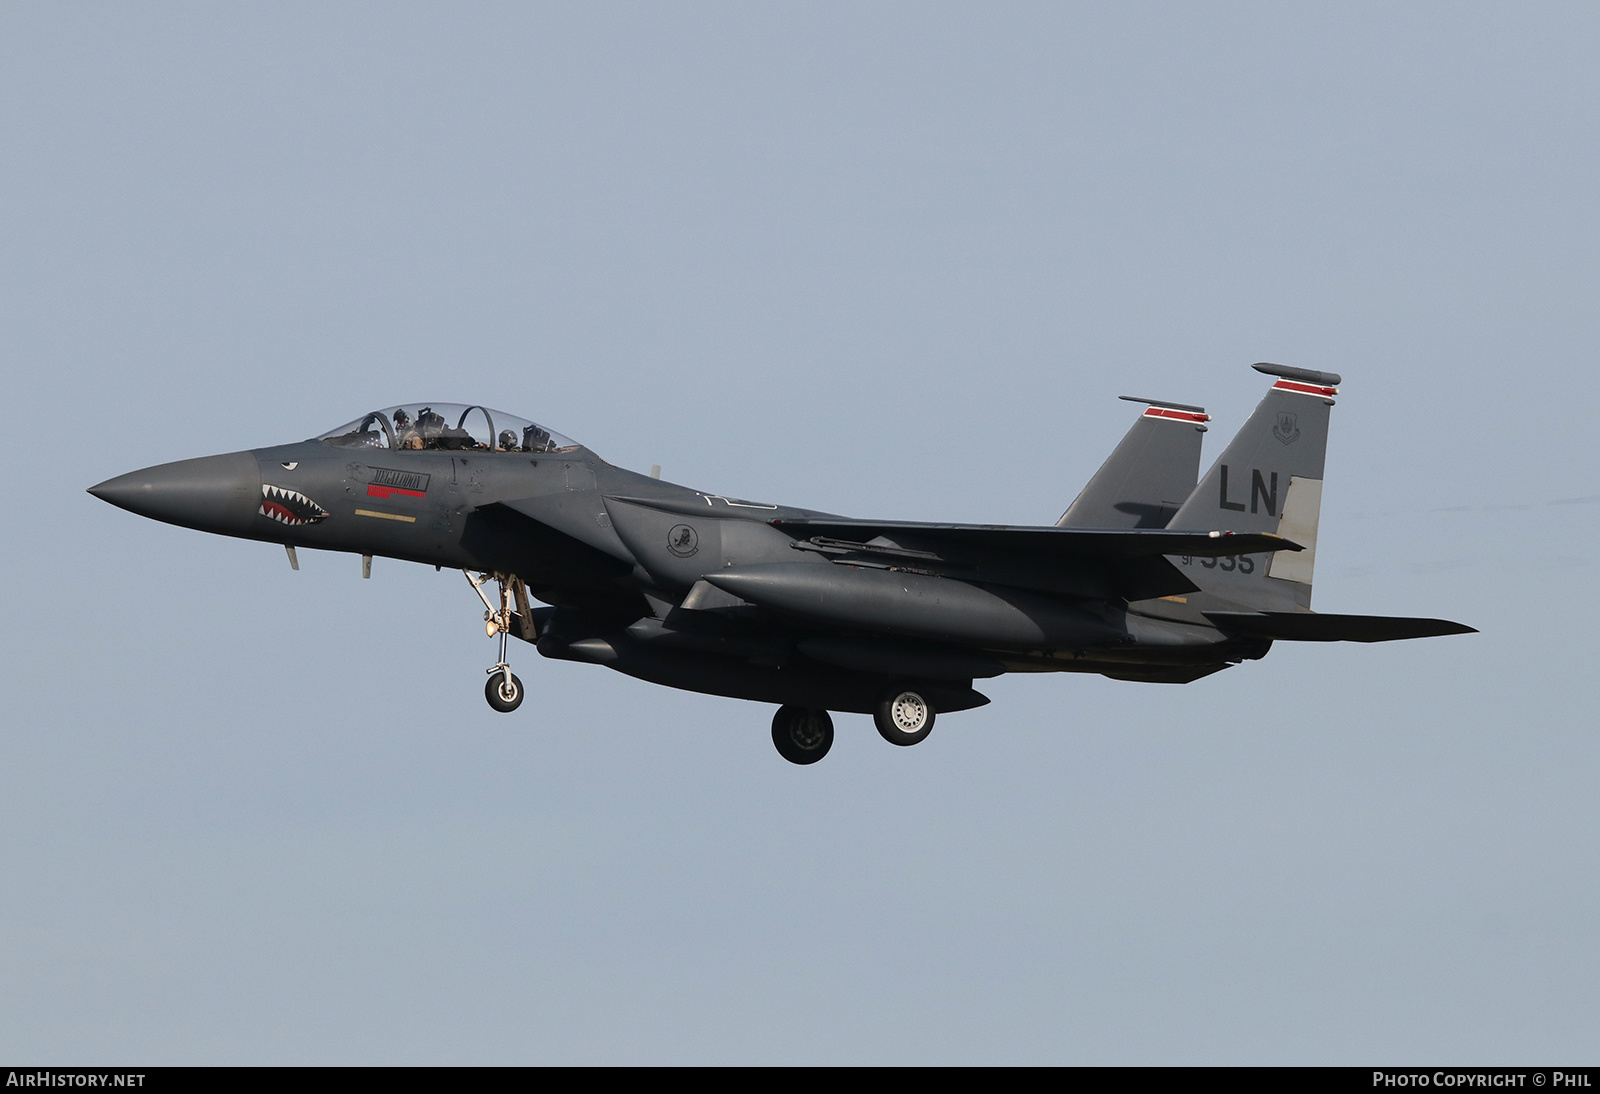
{"points": [[1148, 575]]}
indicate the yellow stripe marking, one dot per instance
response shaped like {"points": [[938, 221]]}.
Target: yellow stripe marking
{"points": [[384, 516]]}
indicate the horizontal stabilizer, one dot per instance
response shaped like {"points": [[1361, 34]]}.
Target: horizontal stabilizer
{"points": [[1319, 627], [1059, 542]]}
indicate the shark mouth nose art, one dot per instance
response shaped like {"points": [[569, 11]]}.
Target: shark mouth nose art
{"points": [[289, 506]]}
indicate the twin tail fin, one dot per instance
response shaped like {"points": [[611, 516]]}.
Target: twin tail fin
{"points": [[1268, 479], [1145, 480]]}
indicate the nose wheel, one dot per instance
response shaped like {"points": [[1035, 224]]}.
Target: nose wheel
{"points": [[503, 690]]}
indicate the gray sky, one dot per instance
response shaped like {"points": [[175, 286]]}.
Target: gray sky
{"points": [[886, 260]]}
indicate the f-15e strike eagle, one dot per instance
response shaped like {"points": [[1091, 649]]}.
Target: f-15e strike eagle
{"points": [[1147, 576]]}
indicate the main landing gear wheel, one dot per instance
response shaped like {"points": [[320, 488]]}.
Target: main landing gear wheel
{"points": [[503, 697], [802, 735], [904, 717]]}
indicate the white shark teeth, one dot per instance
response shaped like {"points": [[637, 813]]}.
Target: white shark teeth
{"points": [[289, 506]]}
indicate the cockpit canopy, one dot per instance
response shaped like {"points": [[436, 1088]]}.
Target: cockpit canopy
{"points": [[446, 426]]}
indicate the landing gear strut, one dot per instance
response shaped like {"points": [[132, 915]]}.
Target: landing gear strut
{"points": [[503, 689]]}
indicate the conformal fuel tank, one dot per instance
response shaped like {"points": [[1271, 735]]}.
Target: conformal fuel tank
{"points": [[916, 605]]}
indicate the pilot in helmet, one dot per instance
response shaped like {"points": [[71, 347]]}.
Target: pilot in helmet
{"points": [[535, 439], [405, 434]]}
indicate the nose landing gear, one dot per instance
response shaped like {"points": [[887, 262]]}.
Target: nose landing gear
{"points": [[503, 690]]}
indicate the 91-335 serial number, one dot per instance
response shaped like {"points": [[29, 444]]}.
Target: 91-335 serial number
{"points": [[1243, 563]]}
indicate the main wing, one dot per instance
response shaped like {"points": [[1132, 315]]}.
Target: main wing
{"points": [[1127, 563], [1048, 541]]}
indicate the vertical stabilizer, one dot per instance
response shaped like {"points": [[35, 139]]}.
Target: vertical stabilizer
{"points": [[1145, 479], [1268, 479]]}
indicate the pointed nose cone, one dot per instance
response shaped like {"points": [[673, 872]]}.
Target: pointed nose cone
{"points": [[214, 493]]}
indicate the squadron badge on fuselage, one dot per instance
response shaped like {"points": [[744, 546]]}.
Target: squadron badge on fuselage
{"points": [[683, 540]]}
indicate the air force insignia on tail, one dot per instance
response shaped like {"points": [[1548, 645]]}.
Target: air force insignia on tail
{"points": [[1287, 428]]}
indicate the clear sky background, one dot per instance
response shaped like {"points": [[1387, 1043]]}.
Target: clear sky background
{"points": [[891, 260]]}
